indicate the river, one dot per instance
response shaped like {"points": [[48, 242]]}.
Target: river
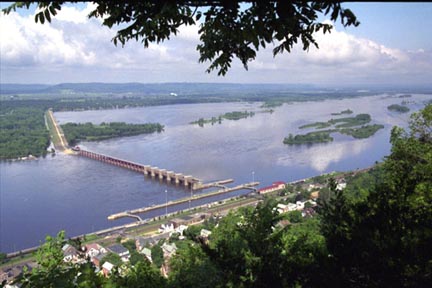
{"points": [[43, 196]]}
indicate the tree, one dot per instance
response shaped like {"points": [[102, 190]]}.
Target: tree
{"points": [[227, 30], [191, 267], [383, 240], [142, 275], [52, 271]]}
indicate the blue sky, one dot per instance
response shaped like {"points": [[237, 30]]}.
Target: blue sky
{"points": [[391, 46]]}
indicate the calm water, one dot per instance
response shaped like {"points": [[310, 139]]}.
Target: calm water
{"points": [[68, 192]]}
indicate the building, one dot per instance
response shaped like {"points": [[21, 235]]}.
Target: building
{"points": [[107, 268], [93, 249], [70, 253], [98, 259], [169, 250], [279, 185], [147, 254], [121, 251]]}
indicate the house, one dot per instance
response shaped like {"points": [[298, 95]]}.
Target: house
{"points": [[147, 254], [93, 249], [204, 233], [164, 228], [169, 250], [281, 208], [107, 268], [291, 207], [314, 195], [279, 185], [341, 186], [70, 253], [97, 259], [121, 251]]}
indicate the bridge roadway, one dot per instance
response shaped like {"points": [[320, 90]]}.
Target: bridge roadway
{"points": [[154, 172], [131, 213]]}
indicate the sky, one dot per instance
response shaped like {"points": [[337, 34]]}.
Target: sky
{"points": [[391, 46]]}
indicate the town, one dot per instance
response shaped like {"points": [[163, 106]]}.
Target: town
{"points": [[158, 240]]}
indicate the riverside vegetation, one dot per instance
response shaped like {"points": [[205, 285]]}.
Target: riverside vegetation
{"points": [[345, 126], [376, 233]]}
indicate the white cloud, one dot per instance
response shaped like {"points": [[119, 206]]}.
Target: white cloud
{"points": [[72, 42]]}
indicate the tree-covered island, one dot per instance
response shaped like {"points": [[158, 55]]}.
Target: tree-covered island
{"points": [[346, 125], [75, 132], [22, 132], [235, 115], [347, 111], [398, 108]]}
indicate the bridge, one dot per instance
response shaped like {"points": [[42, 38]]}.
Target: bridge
{"points": [[155, 172]]}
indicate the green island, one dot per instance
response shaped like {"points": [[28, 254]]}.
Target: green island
{"points": [[310, 138], [362, 132], [22, 132], [316, 125], [272, 104], [398, 108], [347, 126], [235, 115], [347, 111], [75, 132]]}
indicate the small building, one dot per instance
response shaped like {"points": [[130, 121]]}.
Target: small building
{"points": [[147, 254], [93, 249], [281, 208], [107, 268], [314, 195], [70, 253], [121, 251], [98, 259], [276, 186], [169, 250], [204, 233], [341, 186]]}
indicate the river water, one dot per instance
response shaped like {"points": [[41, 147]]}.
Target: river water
{"points": [[76, 194]]}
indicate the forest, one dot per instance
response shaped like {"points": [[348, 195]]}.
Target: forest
{"points": [[375, 233]]}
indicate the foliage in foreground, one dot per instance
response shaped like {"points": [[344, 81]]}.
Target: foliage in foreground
{"points": [[380, 240]]}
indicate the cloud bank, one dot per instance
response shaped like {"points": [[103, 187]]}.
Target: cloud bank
{"points": [[74, 48]]}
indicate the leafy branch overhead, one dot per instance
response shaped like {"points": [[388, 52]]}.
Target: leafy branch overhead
{"points": [[227, 29]]}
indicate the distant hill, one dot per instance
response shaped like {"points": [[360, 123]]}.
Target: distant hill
{"points": [[151, 88]]}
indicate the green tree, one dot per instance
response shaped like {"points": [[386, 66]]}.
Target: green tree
{"points": [[383, 241], [112, 258], [157, 255], [141, 275], [53, 272], [227, 29], [191, 267]]}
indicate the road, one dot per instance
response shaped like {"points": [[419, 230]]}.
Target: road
{"points": [[62, 144]]}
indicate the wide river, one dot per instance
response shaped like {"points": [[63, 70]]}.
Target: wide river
{"points": [[76, 194]]}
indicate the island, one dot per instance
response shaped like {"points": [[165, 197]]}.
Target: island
{"points": [[76, 132], [309, 138], [347, 111], [398, 108], [347, 125], [235, 115]]}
